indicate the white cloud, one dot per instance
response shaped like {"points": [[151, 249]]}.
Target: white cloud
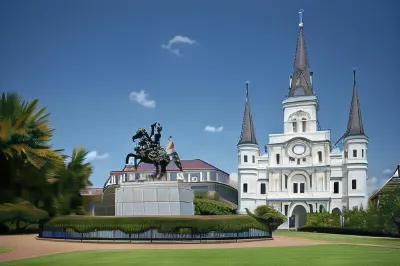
{"points": [[387, 172], [372, 185], [141, 98], [93, 155], [375, 183], [175, 40], [213, 129]]}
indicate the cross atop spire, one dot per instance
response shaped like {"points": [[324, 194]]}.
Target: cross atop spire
{"points": [[247, 135], [300, 84], [247, 90], [355, 123]]}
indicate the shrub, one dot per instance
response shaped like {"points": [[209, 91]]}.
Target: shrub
{"points": [[268, 216], [204, 206], [24, 211], [323, 219], [9, 228], [196, 224], [80, 210]]}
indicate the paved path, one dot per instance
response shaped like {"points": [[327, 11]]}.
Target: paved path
{"points": [[27, 246]]}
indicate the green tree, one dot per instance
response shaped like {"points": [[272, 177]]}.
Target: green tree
{"points": [[389, 201], [25, 150], [268, 216], [71, 178]]}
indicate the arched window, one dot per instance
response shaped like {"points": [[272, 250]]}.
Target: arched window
{"points": [[322, 208], [304, 124], [320, 156], [278, 159], [245, 188], [294, 124], [286, 181]]}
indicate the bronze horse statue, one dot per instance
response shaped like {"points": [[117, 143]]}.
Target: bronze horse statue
{"points": [[149, 152]]}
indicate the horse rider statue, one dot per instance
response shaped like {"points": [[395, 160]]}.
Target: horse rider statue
{"points": [[157, 136]]}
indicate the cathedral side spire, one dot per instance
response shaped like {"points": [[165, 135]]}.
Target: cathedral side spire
{"points": [[300, 84], [355, 123], [247, 135]]}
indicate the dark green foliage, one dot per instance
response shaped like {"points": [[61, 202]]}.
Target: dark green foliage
{"points": [[196, 224], [374, 221], [17, 218], [204, 206], [389, 205], [80, 210], [268, 216], [24, 212], [323, 219], [341, 230]]}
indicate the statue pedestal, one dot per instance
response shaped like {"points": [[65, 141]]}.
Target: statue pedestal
{"points": [[153, 198]]}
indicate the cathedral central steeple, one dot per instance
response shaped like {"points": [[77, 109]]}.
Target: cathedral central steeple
{"points": [[300, 84]]}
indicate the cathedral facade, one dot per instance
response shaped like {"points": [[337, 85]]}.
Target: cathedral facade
{"points": [[302, 171]]}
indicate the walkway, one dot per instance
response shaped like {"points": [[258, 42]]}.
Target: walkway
{"points": [[27, 246]]}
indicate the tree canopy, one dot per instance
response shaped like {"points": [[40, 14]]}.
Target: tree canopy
{"points": [[34, 177]]}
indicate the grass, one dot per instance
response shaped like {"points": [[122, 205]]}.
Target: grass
{"points": [[4, 250], [348, 239], [307, 255]]}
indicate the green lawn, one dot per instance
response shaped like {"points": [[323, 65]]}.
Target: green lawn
{"points": [[4, 250], [349, 239], [306, 255]]}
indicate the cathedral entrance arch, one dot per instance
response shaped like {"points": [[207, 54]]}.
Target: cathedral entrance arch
{"points": [[300, 216]]}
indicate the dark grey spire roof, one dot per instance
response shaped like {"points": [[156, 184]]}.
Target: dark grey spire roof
{"points": [[355, 123], [301, 81], [247, 136]]}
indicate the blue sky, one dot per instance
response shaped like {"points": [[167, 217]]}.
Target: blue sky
{"points": [[83, 60]]}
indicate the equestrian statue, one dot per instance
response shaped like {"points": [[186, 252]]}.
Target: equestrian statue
{"points": [[149, 150]]}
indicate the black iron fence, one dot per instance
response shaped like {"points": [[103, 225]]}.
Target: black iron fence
{"points": [[152, 235]]}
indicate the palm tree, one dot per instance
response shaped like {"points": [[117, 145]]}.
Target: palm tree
{"points": [[24, 139], [73, 177]]}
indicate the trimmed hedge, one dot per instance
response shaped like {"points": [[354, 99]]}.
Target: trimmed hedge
{"points": [[204, 206], [342, 231], [163, 224]]}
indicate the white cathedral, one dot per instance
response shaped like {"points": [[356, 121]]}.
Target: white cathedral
{"points": [[302, 171]]}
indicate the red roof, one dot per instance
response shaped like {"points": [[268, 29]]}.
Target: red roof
{"points": [[195, 164]]}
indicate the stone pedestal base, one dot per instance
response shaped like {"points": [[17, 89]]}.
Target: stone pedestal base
{"points": [[153, 198]]}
